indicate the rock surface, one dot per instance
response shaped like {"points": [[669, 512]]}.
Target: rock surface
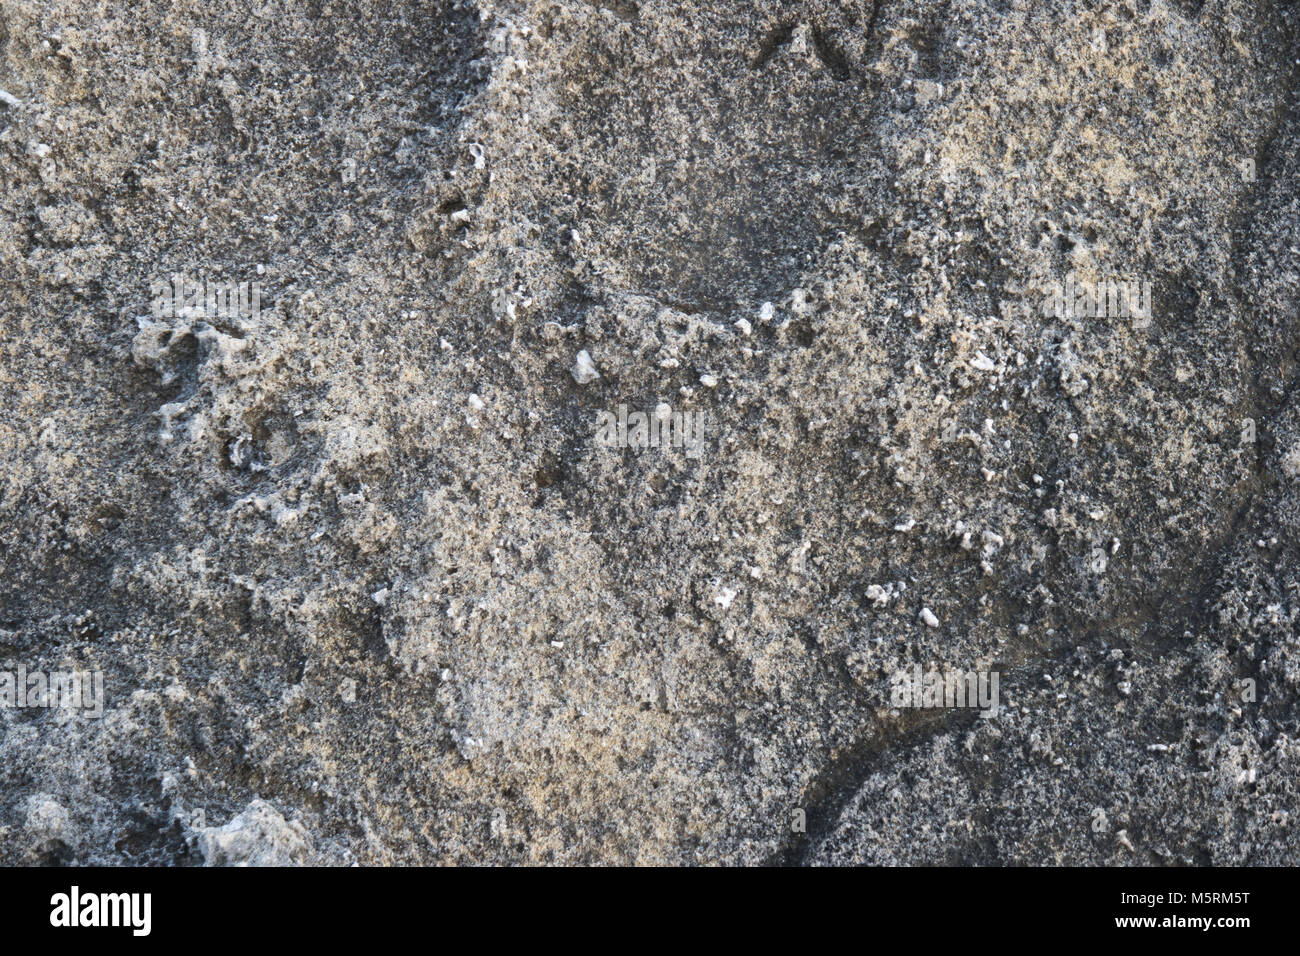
{"points": [[364, 587]]}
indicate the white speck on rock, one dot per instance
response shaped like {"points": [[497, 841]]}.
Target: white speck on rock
{"points": [[584, 369], [476, 405]]}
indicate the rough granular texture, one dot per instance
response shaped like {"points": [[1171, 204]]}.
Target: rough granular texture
{"points": [[362, 583]]}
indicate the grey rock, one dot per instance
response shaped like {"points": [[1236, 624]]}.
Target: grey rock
{"points": [[356, 553]]}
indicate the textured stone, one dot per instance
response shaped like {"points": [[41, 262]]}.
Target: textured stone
{"points": [[353, 558]]}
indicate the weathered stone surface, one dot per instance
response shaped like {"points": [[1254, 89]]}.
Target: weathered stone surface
{"points": [[364, 586]]}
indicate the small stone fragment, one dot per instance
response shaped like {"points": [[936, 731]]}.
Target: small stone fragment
{"points": [[584, 369]]}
